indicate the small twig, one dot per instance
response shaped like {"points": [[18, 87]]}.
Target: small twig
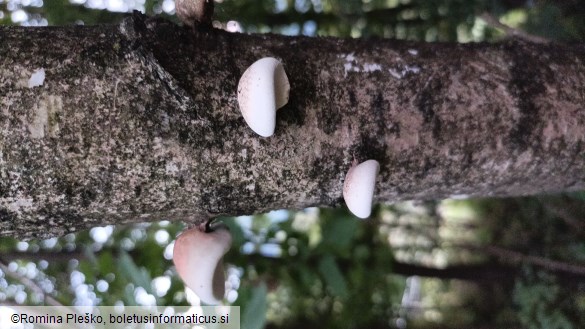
{"points": [[515, 257], [566, 216], [510, 31], [30, 284]]}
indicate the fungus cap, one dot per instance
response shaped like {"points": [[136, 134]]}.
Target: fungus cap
{"points": [[359, 186], [263, 89]]}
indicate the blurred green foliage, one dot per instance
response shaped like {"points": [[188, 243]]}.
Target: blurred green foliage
{"points": [[446, 20], [324, 268], [538, 297]]}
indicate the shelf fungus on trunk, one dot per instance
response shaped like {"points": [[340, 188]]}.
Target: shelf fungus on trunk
{"points": [[359, 186], [263, 89], [198, 257]]}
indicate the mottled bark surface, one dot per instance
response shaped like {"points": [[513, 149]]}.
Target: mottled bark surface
{"points": [[140, 122]]}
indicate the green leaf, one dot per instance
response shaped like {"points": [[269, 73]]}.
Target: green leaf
{"points": [[333, 277], [254, 316], [139, 276], [338, 233], [238, 236], [90, 255], [578, 195], [129, 294]]}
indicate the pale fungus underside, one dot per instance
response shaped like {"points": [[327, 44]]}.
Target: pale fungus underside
{"points": [[198, 258]]}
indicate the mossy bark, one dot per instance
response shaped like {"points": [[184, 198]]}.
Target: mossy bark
{"points": [[140, 122]]}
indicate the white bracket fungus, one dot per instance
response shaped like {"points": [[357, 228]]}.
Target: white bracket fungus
{"points": [[358, 188], [263, 89], [198, 257]]}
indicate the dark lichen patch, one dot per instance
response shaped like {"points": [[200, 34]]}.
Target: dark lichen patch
{"points": [[100, 54], [379, 107], [75, 194], [427, 101], [226, 198], [436, 130], [329, 119], [5, 184], [428, 164], [292, 114], [184, 135], [527, 84], [68, 221], [467, 161], [87, 196], [394, 129], [371, 148], [304, 78], [521, 134], [302, 91], [137, 191], [353, 103], [378, 104], [325, 171], [286, 175], [6, 217]]}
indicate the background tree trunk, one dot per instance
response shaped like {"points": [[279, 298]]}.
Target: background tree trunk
{"points": [[139, 122]]}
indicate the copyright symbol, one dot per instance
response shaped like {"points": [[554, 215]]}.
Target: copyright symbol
{"points": [[14, 318]]}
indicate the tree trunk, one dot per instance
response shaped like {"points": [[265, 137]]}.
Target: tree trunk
{"points": [[140, 122]]}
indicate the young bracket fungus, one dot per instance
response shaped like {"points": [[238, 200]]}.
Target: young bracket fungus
{"points": [[358, 188], [263, 89], [198, 257]]}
